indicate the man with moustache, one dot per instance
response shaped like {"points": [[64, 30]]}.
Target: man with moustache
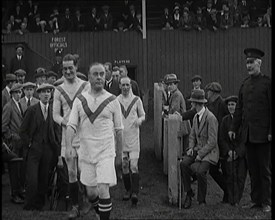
{"points": [[96, 116]]}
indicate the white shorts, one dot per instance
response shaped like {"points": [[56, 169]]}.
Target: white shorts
{"points": [[100, 172], [130, 154]]}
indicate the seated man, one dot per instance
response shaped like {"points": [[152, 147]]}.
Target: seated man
{"points": [[203, 149]]}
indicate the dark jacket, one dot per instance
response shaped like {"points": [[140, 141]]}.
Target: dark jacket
{"points": [[253, 110], [16, 64]]}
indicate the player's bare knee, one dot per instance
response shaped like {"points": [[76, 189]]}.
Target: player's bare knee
{"points": [[103, 190]]}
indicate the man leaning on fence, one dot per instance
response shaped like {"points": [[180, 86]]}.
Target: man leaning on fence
{"points": [[203, 149]]}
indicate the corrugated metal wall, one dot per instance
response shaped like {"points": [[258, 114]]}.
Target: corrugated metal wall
{"points": [[215, 56]]}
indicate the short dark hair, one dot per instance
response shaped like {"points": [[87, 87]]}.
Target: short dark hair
{"points": [[70, 57]]}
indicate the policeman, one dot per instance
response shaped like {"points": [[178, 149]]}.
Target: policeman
{"points": [[253, 113]]}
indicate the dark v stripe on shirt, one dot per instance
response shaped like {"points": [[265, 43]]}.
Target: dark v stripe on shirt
{"points": [[126, 113], [67, 98], [93, 115]]}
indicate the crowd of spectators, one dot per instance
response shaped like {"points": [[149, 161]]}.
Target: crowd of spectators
{"points": [[216, 14], [27, 16]]}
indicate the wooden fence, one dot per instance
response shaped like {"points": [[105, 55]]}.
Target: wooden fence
{"points": [[215, 56]]}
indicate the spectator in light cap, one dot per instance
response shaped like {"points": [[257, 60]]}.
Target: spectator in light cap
{"points": [[28, 99], [10, 80]]}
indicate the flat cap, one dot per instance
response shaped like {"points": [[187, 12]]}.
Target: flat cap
{"points": [[44, 86], [20, 72], [51, 73], [10, 77], [16, 87], [196, 77], [214, 87], [19, 45], [28, 84], [253, 53], [232, 98]]}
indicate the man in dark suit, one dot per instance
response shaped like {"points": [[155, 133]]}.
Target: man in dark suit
{"points": [[112, 79], [10, 80], [19, 61], [253, 115], [38, 133], [12, 117]]}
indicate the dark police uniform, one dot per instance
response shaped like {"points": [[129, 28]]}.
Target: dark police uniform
{"points": [[253, 113]]}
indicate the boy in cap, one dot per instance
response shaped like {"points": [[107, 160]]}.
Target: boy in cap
{"points": [[38, 134], [203, 149], [28, 99], [10, 80], [233, 152], [12, 117], [19, 61], [20, 75], [253, 115]]}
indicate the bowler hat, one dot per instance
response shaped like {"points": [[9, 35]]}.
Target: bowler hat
{"points": [[19, 72], [10, 77], [253, 53], [28, 84], [196, 77], [19, 45], [51, 73], [232, 98], [44, 86], [16, 87], [214, 87], [198, 95], [171, 78]]}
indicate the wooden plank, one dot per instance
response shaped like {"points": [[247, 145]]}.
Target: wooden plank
{"points": [[174, 151], [157, 121]]}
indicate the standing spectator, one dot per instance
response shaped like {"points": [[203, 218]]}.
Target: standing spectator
{"points": [[176, 99], [10, 81], [55, 18], [199, 21], [137, 25], [212, 21], [218, 107], [233, 153], [36, 26], [237, 20], [135, 88], [253, 115], [19, 61], [132, 15], [267, 17], [226, 21], [93, 20], [133, 115], [66, 21], [29, 9], [100, 139], [57, 66], [18, 14], [38, 133], [13, 24], [125, 13], [20, 75], [176, 17], [28, 99], [23, 29], [186, 20], [64, 96], [245, 19], [78, 21], [12, 117], [111, 79], [166, 17], [203, 149], [106, 19]]}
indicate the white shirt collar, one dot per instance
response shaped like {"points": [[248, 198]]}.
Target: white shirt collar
{"points": [[28, 99], [43, 106], [200, 113]]}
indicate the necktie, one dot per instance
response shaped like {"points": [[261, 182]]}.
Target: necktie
{"points": [[198, 120], [20, 108], [29, 102], [45, 112]]}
